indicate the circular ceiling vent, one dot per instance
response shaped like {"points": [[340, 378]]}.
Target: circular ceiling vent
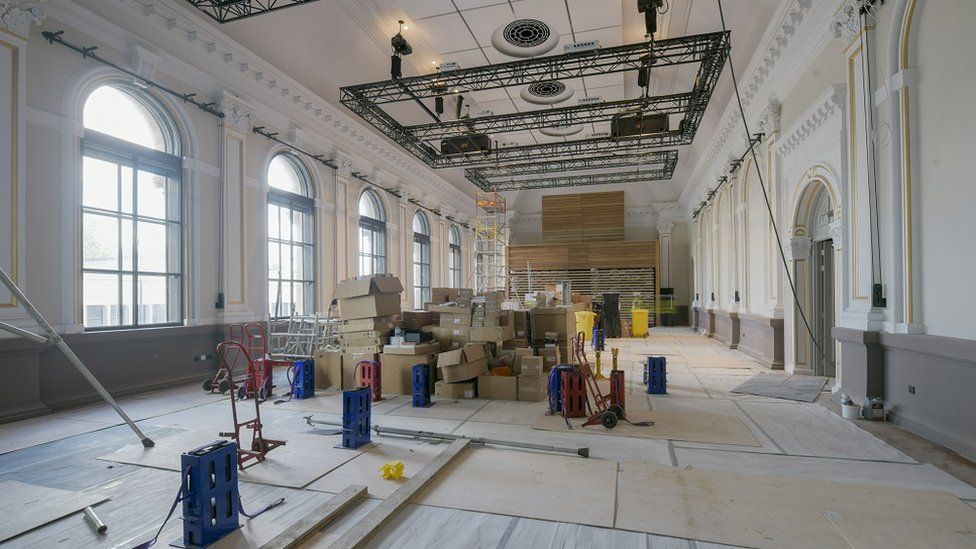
{"points": [[562, 131], [548, 92], [524, 38]]}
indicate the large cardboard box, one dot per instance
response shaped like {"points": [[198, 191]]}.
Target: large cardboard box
{"points": [[561, 320], [369, 306], [492, 333], [550, 356], [460, 316], [413, 348], [463, 364], [368, 285], [349, 361], [532, 366], [415, 320], [531, 389], [328, 369], [498, 387], [443, 295], [463, 389], [397, 371], [520, 354], [454, 308], [385, 324]]}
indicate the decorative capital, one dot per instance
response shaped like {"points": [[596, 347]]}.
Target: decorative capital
{"points": [[343, 165], [143, 61], [837, 234], [847, 23], [799, 248], [16, 16], [769, 119], [664, 228], [237, 114]]}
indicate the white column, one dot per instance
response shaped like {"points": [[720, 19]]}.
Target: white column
{"points": [[235, 126], [346, 237], [16, 17]]}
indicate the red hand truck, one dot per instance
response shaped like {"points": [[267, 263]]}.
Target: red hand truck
{"points": [[607, 413], [252, 338], [233, 355]]}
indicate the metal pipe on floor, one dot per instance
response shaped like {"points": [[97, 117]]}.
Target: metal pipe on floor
{"points": [[95, 522], [380, 430]]}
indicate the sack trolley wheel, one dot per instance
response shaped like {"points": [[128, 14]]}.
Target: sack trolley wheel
{"points": [[223, 386], [242, 392], [208, 384], [608, 419], [617, 410]]}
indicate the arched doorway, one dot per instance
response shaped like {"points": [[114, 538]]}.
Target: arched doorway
{"points": [[814, 256]]}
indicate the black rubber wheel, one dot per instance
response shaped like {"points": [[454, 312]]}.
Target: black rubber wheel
{"points": [[208, 384], [617, 410], [242, 392], [259, 445], [608, 419], [223, 386], [262, 394]]}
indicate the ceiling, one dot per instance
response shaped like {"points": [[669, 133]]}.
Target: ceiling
{"points": [[333, 43]]}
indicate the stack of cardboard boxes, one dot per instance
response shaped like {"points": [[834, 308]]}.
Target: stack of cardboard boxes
{"points": [[369, 306], [459, 368], [553, 332]]}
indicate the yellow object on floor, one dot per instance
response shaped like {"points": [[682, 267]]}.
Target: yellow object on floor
{"points": [[392, 470], [584, 322], [638, 319]]}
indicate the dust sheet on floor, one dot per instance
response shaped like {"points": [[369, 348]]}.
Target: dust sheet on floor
{"points": [[298, 463], [766, 511], [799, 388], [27, 506]]}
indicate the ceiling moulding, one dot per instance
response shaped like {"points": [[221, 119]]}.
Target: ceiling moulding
{"points": [[830, 104], [779, 36], [218, 51]]}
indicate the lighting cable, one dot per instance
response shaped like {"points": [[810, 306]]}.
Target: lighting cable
{"points": [[769, 208]]}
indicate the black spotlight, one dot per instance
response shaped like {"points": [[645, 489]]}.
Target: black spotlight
{"points": [[396, 67], [400, 44], [649, 8], [439, 104]]}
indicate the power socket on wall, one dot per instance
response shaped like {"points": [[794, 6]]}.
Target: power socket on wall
{"points": [[911, 389]]}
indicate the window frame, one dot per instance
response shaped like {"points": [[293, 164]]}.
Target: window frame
{"points": [[454, 270], [291, 202], [421, 241], [139, 159], [377, 255]]}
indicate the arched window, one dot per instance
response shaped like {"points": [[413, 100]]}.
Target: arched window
{"points": [[454, 257], [291, 238], [421, 260], [372, 234], [132, 212]]}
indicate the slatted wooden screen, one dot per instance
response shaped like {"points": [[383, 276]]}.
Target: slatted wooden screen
{"points": [[587, 217], [631, 284]]}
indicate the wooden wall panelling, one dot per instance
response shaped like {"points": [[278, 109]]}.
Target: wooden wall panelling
{"points": [[602, 216], [562, 218]]}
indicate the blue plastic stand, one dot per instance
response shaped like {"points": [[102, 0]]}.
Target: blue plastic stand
{"points": [[656, 375], [211, 499], [304, 383], [421, 386], [356, 407]]}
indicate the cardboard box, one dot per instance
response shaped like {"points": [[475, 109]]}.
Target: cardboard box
{"points": [[460, 317], [498, 387], [443, 295], [396, 371], [328, 369], [561, 320], [369, 306], [550, 356], [532, 366], [463, 389], [520, 354], [463, 364], [349, 361], [382, 324], [413, 348], [441, 309], [493, 333], [461, 333], [531, 389], [368, 285], [415, 320]]}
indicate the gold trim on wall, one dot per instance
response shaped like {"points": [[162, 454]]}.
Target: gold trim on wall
{"points": [[907, 171], [14, 164], [853, 170]]}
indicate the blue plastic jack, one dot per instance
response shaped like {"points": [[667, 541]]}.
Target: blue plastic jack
{"points": [[304, 383], [421, 386], [356, 408], [656, 375], [211, 499]]}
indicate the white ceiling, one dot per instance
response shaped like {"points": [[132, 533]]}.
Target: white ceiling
{"points": [[333, 43]]}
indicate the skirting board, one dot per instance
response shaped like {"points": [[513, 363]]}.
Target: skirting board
{"points": [[668, 424], [26, 506], [764, 511], [297, 464]]}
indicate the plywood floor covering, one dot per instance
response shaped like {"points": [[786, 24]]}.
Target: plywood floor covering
{"points": [[505, 499]]}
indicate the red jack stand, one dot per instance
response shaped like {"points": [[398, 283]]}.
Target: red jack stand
{"points": [[370, 375]]}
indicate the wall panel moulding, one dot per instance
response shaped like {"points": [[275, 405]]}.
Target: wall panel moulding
{"points": [[473, 141]]}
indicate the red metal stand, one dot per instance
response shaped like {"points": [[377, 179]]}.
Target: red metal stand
{"points": [[368, 374], [234, 355], [617, 388], [572, 393], [607, 413], [252, 338]]}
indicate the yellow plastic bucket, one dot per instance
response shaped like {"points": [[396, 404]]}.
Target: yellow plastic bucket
{"points": [[638, 326], [584, 323]]}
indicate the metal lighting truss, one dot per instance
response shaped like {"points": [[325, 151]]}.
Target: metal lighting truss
{"points": [[224, 11], [640, 176], [662, 160], [709, 50]]}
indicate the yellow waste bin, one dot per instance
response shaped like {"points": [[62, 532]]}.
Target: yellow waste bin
{"points": [[638, 322], [584, 323]]}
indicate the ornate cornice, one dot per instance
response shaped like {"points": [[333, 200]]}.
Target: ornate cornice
{"points": [[16, 16], [831, 103], [237, 114], [847, 23]]}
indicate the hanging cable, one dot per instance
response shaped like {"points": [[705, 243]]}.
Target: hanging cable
{"points": [[89, 53], [769, 207]]}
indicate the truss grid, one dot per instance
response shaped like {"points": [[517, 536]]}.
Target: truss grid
{"points": [[225, 11], [633, 176], [662, 162]]}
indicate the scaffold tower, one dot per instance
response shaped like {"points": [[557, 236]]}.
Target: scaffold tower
{"points": [[491, 238]]}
